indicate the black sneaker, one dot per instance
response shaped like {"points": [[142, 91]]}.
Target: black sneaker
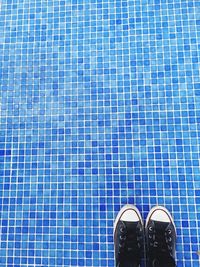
{"points": [[128, 237], [160, 238]]}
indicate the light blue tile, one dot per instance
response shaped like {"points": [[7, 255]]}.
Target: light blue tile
{"points": [[99, 107]]}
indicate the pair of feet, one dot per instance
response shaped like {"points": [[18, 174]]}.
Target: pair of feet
{"points": [[130, 236]]}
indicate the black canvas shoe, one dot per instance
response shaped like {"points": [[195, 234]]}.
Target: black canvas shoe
{"points": [[128, 237], [160, 234]]}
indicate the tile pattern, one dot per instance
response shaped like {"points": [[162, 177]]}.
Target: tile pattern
{"points": [[100, 106]]}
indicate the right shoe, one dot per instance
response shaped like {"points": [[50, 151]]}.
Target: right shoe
{"points": [[160, 233]]}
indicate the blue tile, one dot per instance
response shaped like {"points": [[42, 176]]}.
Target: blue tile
{"points": [[100, 107]]}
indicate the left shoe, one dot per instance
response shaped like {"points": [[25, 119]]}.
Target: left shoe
{"points": [[128, 237]]}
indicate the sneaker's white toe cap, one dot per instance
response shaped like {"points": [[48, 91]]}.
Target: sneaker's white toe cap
{"points": [[130, 216], [160, 215]]}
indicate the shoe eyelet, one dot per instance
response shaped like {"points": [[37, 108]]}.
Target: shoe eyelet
{"points": [[150, 229], [122, 237], [155, 244], [169, 231], [169, 239], [121, 229]]}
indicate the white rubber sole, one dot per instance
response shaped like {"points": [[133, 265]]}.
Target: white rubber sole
{"points": [[125, 208], [162, 209]]}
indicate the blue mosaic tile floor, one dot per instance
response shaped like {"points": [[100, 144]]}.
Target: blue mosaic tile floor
{"points": [[100, 106]]}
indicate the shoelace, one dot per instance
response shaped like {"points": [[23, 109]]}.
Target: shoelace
{"points": [[128, 242], [161, 246], [161, 242]]}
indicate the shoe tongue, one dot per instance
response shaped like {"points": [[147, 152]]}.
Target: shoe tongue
{"points": [[130, 225], [130, 228], [160, 226]]}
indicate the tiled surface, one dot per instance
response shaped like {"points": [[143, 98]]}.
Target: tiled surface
{"points": [[100, 106]]}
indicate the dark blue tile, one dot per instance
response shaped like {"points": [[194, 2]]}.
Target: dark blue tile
{"points": [[99, 108]]}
